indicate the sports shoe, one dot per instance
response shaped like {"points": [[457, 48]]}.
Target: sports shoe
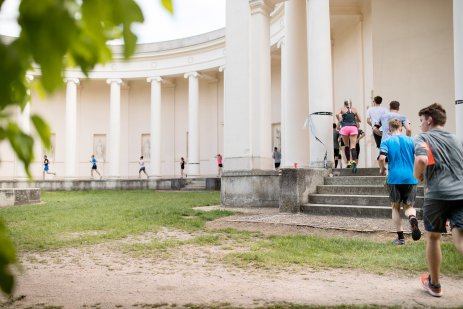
{"points": [[398, 242], [349, 164], [354, 167], [416, 233], [433, 289]]}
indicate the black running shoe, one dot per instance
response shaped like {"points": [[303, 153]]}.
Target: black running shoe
{"points": [[416, 233]]}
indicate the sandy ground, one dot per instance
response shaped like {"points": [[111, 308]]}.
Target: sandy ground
{"points": [[103, 276]]}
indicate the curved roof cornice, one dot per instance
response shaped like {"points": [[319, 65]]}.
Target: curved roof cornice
{"points": [[168, 58], [204, 52], [170, 46]]}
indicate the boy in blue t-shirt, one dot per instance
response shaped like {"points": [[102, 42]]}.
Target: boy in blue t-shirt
{"points": [[401, 182]]}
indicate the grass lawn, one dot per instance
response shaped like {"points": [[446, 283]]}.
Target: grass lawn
{"points": [[99, 216]]}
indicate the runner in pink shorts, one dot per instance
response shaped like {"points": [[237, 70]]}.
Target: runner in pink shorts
{"points": [[349, 119]]}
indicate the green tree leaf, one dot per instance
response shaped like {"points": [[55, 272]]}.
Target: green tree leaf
{"points": [[43, 130], [7, 258], [55, 34], [168, 5], [21, 143]]}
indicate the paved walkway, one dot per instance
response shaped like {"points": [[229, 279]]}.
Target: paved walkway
{"points": [[273, 216]]}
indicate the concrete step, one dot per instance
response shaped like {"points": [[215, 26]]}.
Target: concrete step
{"points": [[356, 200], [359, 190], [355, 180], [352, 210], [365, 171], [195, 184]]}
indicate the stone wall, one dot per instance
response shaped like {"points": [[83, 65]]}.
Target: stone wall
{"points": [[11, 196], [112, 184], [297, 184], [255, 188]]}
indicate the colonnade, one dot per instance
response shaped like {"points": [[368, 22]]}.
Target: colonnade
{"points": [[114, 134], [306, 77]]}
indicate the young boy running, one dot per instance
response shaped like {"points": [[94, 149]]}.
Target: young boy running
{"points": [[400, 181], [439, 163]]}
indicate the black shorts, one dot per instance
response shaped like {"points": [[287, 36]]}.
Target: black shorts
{"points": [[220, 165], [277, 165], [437, 212], [377, 140], [402, 193], [336, 152], [94, 167], [142, 169]]}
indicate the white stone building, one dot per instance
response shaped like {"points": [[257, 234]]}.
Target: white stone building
{"points": [[244, 89]]}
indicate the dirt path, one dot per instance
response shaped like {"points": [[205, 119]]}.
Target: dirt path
{"points": [[102, 276]]}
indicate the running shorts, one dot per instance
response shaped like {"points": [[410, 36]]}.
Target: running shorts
{"points": [[349, 130], [437, 212]]}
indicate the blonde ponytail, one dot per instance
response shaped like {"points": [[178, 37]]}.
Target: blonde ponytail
{"points": [[348, 103]]}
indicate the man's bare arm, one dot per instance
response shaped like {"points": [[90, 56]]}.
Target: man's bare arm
{"points": [[420, 165]]}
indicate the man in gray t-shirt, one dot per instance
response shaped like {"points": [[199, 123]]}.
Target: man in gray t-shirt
{"points": [[393, 114], [439, 163]]}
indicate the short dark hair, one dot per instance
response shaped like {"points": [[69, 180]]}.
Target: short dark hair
{"points": [[394, 105], [334, 125], [378, 99], [436, 112]]}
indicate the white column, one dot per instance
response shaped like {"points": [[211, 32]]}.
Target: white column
{"points": [[320, 80], [260, 100], [458, 63], [114, 127], [193, 123], [155, 125], [24, 123], [70, 152], [294, 86], [236, 108]]}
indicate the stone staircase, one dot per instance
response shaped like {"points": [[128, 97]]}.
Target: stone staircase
{"points": [[200, 184], [194, 184], [360, 195]]}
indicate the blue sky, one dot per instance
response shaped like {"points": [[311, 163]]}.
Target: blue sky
{"points": [[191, 17]]}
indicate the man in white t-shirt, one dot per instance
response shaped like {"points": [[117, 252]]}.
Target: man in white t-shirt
{"points": [[374, 114]]}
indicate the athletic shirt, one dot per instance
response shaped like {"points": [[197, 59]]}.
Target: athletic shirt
{"points": [[276, 156], [384, 120], [219, 160], [401, 157], [141, 163], [348, 119], [444, 173], [375, 113], [93, 161]]}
